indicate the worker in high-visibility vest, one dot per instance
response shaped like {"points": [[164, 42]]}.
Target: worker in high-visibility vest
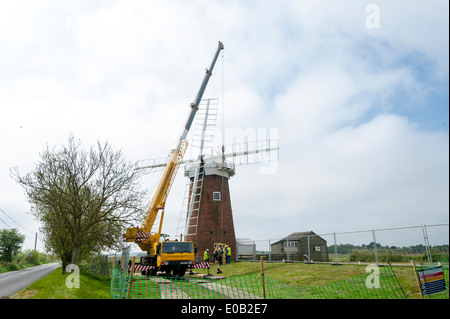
{"points": [[206, 258], [219, 255], [228, 254]]}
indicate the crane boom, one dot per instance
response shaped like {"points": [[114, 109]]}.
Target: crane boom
{"points": [[198, 98], [176, 155]]}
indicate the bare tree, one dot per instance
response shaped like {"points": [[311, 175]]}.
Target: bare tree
{"points": [[83, 199]]}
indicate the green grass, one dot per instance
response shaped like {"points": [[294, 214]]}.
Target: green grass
{"points": [[310, 275], [296, 274], [13, 266], [25, 259], [53, 286]]}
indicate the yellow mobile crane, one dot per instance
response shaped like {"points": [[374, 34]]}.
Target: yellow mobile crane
{"points": [[166, 255]]}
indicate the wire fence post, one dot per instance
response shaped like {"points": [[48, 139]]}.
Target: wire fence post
{"points": [[114, 262], [130, 282], [287, 247], [309, 250], [270, 251], [335, 249], [375, 246], [427, 244]]}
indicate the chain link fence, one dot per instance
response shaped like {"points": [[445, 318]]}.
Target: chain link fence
{"points": [[400, 244], [100, 265]]}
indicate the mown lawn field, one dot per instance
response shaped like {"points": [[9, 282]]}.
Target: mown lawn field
{"points": [[306, 275]]}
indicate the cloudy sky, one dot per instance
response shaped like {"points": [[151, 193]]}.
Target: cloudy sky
{"points": [[355, 91]]}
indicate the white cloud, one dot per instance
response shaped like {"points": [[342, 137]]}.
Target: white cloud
{"points": [[405, 27], [384, 172], [338, 93]]}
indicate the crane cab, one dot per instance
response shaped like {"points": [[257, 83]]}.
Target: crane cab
{"points": [[171, 257]]}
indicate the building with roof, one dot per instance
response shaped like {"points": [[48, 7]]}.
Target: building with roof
{"points": [[306, 246]]}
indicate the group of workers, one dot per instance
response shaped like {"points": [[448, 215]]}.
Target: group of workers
{"points": [[218, 254]]}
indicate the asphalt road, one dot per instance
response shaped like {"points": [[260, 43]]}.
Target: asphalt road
{"points": [[13, 281]]}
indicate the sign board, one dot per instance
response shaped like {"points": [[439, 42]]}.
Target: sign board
{"points": [[432, 279]]}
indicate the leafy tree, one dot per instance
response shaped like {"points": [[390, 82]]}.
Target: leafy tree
{"points": [[372, 245], [83, 199], [10, 244]]}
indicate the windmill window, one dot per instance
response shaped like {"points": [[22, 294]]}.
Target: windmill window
{"points": [[216, 196]]}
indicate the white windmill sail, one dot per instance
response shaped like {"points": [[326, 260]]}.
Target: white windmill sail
{"points": [[202, 143]]}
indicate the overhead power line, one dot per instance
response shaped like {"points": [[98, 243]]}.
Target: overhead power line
{"points": [[14, 222], [5, 223]]}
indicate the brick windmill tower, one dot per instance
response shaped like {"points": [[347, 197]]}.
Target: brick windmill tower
{"points": [[206, 217], [210, 219]]}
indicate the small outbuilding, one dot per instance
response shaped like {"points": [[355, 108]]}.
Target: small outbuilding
{"points": [[301, 246], [245, 249]]}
